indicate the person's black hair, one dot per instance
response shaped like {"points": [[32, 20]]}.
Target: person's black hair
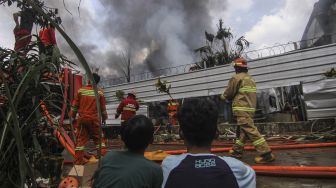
{"points": [[51, 25], [44, 23], [198, 121], [96, 78], [137, 133], [240, 69], [131, 94]]}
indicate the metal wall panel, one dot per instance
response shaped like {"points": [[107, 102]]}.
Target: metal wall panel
{"points": [[282, 70], [320, 98]]}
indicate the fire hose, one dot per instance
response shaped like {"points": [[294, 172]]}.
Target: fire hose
{"points": [[297, 171], [59, 132], [296, 168], [288, 171], [278, 171], [274, 147]]}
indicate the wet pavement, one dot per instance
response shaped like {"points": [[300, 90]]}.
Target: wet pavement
{"points": [[325, 156], [296, 157], [290, 157], [284, 182]]}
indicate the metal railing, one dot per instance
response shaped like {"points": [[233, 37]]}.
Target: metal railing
{"points": [[148, 75], [278, 49]]}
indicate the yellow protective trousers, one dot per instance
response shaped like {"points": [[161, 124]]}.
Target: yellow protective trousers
{"points": [[248, 131]]}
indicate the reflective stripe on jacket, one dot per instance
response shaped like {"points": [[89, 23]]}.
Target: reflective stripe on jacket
{"points": [[172, 106], [85, 104], [242, 90]]}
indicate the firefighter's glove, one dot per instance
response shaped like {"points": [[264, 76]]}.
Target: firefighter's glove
{"points": [[222, 97]]}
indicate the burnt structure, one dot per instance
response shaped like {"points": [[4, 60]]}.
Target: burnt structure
{"points": [[321, 27]]}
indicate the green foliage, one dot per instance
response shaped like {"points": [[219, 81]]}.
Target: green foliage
{"points": [[23, 83], [220, 49], [163, 87], [120, 95], [39, 20], [331, 73]]}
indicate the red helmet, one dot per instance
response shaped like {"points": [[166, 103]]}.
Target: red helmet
{"points": [[240, 62]]}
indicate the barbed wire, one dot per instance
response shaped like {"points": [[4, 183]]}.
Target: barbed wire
{"points": [[277, 49]]}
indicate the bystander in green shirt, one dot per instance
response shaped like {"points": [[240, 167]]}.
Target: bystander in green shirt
{"points": [[126, 169]]}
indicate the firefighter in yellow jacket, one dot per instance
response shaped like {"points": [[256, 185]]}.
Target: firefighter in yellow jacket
{"points": [[242, 91]]}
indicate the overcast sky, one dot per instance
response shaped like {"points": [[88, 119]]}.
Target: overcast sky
{"points": [[164, 33]]}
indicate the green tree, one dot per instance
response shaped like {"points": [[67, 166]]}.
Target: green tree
{"points": [[125, 64], [22, 124], [220, 48]]}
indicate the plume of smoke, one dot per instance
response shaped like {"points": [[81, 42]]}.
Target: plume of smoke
{"points": [[175, 26], [159, 33]]}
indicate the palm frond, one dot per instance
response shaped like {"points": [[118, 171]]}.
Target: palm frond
{"points": [[242, 44], [221, 50]]}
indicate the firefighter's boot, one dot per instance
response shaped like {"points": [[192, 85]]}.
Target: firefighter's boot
{"points": [[235, 154], [237, 149], [93, 159], [264, 158]]}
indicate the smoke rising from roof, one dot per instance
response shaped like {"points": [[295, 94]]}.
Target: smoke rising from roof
{"points": [[158, 34]]}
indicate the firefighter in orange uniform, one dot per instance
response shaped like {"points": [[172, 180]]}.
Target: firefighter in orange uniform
{"points": [[172, 108], [88, 121], [127, 108], [48, 38], [242, 90]]}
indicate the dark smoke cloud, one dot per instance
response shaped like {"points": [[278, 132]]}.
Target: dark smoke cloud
{"points": [[174, 28], [158, 33]]}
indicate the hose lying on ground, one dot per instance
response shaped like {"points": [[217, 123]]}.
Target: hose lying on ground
{"points": [[297, 171], [274, 147]]}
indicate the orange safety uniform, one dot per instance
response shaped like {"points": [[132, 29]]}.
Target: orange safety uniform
{"points": [[127, 108], [172, 111], [88, 121], [47, 36]]}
